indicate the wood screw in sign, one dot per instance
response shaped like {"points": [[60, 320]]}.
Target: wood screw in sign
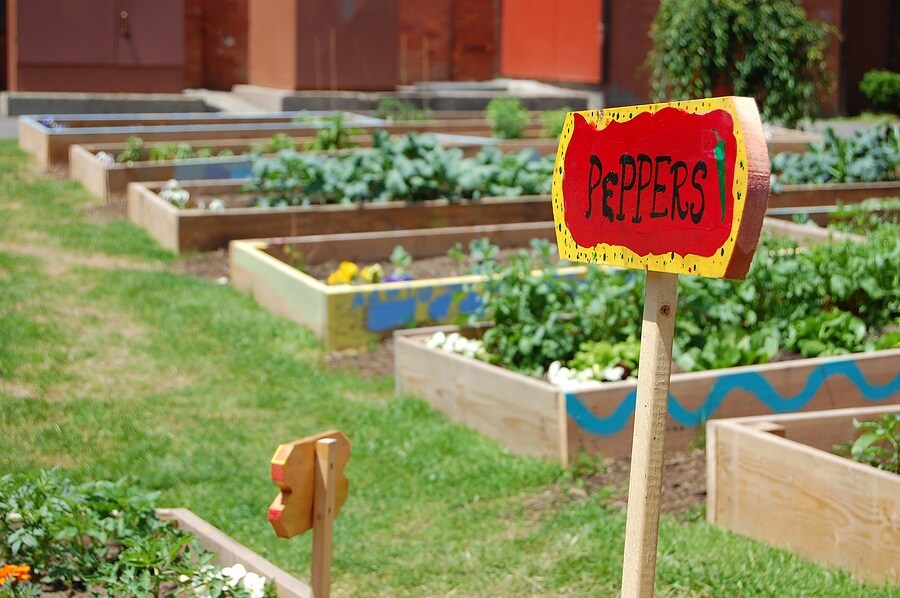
{"points": [[674, 188], [309, 473]]}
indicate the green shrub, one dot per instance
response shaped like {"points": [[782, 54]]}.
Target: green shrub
{"points": [[508, 117], [398, 109], [553, 122], [768, 50], [883, 90]]}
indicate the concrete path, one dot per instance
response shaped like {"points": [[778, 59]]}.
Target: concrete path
{"points": [[9, 127]]}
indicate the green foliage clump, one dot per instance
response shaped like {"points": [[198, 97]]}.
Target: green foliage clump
{"points": [[831, 299], [872, 155], [333, 135], [867, 215], [278, 142], [134, 149], [399, 109], [411, 168], [508, 117], [878, 443], [768, 50], [171, 151], [553, 122], [883, 90], [98, 536]]}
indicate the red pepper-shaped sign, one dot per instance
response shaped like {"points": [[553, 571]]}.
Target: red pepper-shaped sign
{"points": [[679, 187]]}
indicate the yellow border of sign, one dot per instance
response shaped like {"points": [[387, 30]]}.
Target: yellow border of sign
{"points": [[617, 255]]}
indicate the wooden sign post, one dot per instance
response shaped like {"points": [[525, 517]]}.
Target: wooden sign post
{"points": [[309, 473], [675, 188]]}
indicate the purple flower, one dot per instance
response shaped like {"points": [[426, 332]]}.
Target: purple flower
{"points": [[397, 277]]}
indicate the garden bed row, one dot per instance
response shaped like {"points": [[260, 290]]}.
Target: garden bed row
{"points": [[49, 143], [110, 181], [193, 229], [346, 316]]}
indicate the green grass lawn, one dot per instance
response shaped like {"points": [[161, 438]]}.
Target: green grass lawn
{"points": [[113, 365]]}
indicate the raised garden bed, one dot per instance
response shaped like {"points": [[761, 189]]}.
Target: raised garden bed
{"points": [[830, 194], [563, 351], [110, 181], [228, 552], [533, 417], [50, 143], [201, 230], [774, 479], [48, 138], [193, 229], [346, 315]]}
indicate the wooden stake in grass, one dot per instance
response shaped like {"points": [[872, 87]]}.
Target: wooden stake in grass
{"points": [[676, 188], [645, 484], [309, 473]]}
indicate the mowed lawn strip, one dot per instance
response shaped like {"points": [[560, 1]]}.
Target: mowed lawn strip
{"points": [[112, 365]]}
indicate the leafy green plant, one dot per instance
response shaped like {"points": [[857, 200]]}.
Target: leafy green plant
{"points": [[507, 117], [768, 50], [394, 109], [867, 215], [134, 149], [278, 142], [883, 90], [171, 151], [94, 535], [553, 122], [829, 299], [333, 136], [878, 443], [410, 168], [604, 354], [401, 260], [871, 155]]}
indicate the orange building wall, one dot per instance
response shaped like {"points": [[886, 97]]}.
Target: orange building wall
{"points": [[272, 43], [461, 40], [552, 41], [312, 44], [215, 43]]}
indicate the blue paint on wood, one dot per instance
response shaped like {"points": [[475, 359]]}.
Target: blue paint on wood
{"points": [[193, 170], [750, 382], [390, 315]]}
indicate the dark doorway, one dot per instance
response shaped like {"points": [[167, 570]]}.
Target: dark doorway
{"points": [[868, 43]]}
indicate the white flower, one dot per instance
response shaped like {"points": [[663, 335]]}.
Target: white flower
{"points": [[184, 578], [172, 185], [564, 377], [456, 343], [614, 373], [106, 159], [13, 517], [217, 205], [255, 585], [437, 340], [234, 574], [178, 197]]}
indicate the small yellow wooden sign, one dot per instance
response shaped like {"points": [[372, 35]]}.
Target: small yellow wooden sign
{"points": [[294, 471]]}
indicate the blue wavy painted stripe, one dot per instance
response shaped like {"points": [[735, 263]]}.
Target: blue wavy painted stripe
{"points": [[751, 382]]}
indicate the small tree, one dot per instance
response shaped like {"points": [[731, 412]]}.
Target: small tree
{"points": [[765, 49]]}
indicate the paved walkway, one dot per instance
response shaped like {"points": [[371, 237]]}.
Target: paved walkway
{"points": [[9, 127]]}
